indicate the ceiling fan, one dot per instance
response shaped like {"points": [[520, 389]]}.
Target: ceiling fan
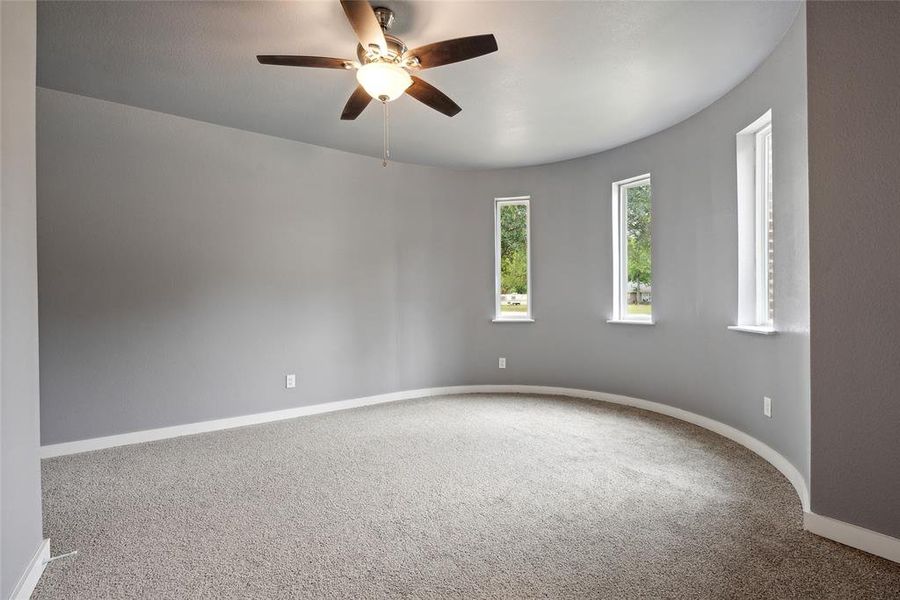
{"points": [[385, 65]]}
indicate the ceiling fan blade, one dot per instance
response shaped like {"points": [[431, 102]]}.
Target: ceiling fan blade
{"points": [[319, 62], [429, 95], [357, 103], [364, 22], [455, 50]]}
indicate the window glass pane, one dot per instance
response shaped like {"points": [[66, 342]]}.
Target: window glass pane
{"points": [[638, 292], [770, 235], [513, 259]]}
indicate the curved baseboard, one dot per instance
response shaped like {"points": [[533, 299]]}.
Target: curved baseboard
{"points": [[839, 531], [854, 536], [766, 452], [845, 533]]}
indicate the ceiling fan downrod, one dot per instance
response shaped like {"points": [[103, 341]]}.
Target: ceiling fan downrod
{"points": [[385, 17]]}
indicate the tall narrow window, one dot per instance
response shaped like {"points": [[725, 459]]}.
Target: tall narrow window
{"points": [[756, 243], [512, 255], [765, 243], [632, 251]]}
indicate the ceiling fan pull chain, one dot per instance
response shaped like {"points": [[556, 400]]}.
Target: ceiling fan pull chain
{"points": [[386, 149]]}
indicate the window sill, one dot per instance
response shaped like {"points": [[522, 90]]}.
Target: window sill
{"points": [[631, 322], [513, 320], [757, 329]]}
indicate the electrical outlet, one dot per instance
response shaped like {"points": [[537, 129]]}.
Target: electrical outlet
{"points": [[767, 406], [290, 381], [502, 364]]}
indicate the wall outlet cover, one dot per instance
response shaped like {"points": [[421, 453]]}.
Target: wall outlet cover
{"points": [[502, 364], [290, 381], [767, 406]]}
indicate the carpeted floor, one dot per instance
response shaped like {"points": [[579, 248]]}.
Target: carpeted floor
{"points": [[453, 497]]}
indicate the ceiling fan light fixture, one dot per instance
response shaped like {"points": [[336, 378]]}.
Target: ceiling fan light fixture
{"points": [[383, 81]]}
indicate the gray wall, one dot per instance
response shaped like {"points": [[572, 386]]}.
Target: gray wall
{"points": [[184, 267], [20, 484], [854, 214]]}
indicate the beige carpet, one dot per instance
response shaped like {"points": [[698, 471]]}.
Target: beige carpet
{"points": [[453, 497]]}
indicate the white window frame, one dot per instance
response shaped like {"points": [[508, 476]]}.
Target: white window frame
{"points": [[525, 317], [755, 233], [620, 250]]}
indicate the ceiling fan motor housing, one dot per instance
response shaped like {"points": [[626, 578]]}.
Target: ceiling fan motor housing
{"points": [[396, 49]]}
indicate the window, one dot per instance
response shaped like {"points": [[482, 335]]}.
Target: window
{"points": [[632, 251], [756, 243], [512, 256]]}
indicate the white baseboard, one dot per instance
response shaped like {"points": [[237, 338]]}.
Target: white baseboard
{"points": [[32, 574], [765, 451], [147, 435], [857, 537], [845, 533]]}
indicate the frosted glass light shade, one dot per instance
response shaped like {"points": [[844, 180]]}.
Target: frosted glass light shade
{"points": [[383, 80]]}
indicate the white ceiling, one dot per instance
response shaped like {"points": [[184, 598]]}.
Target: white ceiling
{"points": [[570, 78]]}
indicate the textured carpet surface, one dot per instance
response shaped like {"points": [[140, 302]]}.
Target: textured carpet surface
{"points": [[470, 496]]}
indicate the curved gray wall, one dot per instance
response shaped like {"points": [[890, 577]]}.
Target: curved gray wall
{"points": [[185, 267]]}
